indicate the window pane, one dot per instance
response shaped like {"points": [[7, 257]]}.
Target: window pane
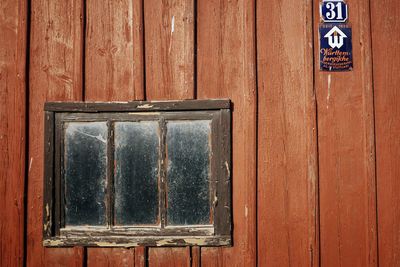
{"points": [[188, 155], [136, 188], [85, 163]]}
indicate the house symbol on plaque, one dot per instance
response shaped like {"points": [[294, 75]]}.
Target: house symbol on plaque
{"points": [[335, 37]]}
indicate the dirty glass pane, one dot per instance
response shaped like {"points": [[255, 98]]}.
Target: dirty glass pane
{"points": [[136, 156], [85, 165], [188, 157]]}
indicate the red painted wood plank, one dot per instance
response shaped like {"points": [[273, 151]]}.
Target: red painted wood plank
{"points": [[114, 50], [195, 257], [55, 74], [347, 152], [13, 31], [120, 257], [140, 256], [113, 71], [72, 257], [226, 65], [169, 39], [169, 29], [176, 257], [386, 64], [287, 143]]}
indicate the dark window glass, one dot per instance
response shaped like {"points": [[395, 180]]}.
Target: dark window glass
{"points": [[136, 157], [85, 150], [188, 158]]}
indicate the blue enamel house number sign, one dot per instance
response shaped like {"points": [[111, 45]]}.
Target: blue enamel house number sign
{"points": [[333, 11], [335, 37]]}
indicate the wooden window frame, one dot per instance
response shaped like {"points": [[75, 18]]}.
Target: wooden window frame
{"points": [[216, 234]]}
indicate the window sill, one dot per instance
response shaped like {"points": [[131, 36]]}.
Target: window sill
{"points": [[134, 241]]}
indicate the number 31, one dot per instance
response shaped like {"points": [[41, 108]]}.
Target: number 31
{"points": [[332, 13]]}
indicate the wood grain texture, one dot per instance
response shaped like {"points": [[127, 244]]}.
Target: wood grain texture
{"points": [[55, 74], [195, 257], [111, 257], [140, 256], [386, 64], [169, 44], [71, 257], [226, 68], [169, 29], [113, 72], [177, 257], [347, 152], [287, 143], [114, 50], [13, 31]]}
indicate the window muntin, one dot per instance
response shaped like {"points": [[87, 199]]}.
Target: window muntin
{"points": [[161, 176]]}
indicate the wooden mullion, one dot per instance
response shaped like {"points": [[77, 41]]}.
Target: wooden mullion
{"points": [[163, 172], [223, 207], [48, 203], [110, 175], [59, 183], [214, 162]]}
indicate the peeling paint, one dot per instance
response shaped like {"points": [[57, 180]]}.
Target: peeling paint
{"points": [[113, 244], [47, 211], [215, 200], [164, 242], [246, 211], [30, 165], [227, 169], [47, 225], [145, 113], [199, 242], [172, 24], [145, 106], [329, 91], [53, 242]]}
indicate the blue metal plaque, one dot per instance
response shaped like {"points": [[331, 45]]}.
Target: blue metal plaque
{"points": [[333, 11], [335, 52]]}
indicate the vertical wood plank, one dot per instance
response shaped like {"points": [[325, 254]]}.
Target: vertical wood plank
{"points": [[114, 50], [347, 152], [176, 257], [73, 257], [386, 64], [55, 74], [169, 29], [226, 69], [111, 257], [169, 42], [195, 257], [13, 30], [287, 142], [113, 71], [140, 256]]}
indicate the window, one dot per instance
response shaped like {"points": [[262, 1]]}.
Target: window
{"points": [[137, 173]]}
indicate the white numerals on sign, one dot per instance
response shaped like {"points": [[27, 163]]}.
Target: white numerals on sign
{"points": [[332, 14], [333, 11]]}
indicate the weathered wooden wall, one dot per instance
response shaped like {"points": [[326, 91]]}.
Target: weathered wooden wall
{"points": [[13, 104], [316, 155], [385, 18]]}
